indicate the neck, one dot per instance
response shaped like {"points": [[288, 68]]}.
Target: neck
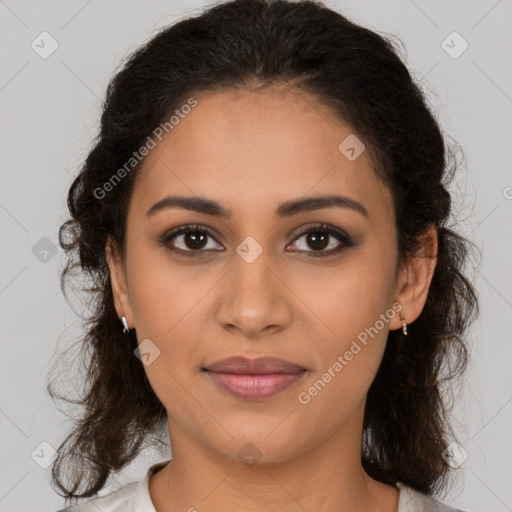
{"points": [[325, 478]]}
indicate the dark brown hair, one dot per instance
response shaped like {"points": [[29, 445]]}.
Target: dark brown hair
{"points": [[359, 75]]}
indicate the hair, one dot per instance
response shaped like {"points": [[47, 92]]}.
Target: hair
{"points": [[359, 75]]}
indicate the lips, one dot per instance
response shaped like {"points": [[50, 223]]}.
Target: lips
{"points": [[263, 365], [254, 378]]}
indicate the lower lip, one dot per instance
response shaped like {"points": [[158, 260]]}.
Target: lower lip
{"points": [[255, 386]]}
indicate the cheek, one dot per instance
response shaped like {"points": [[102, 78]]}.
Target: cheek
{"points": [[333, 395], [165, 296], [168, 308], [171, 323], [355, 316], [351, 308], [347, 299]]}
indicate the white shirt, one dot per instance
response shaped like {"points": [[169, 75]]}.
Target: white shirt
{"points": [[135, 497]]}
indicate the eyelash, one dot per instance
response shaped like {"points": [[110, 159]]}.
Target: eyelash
{"points": [[343, 238]]}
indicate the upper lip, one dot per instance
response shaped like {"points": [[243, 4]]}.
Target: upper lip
{"points": [[259, 366]]}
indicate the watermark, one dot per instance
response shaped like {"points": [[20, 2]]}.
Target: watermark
{"points": [[351, 147], [149, 144], [44, 45], [249, 454], [455, 455], [44, 250], [507, 192], [249, 249], [147, 352], [454, 45], [304, 397], [44, 454]]}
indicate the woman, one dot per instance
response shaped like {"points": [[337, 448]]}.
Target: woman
{"points": [[264, 218]]}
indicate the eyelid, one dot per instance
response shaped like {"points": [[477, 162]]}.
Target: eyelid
{"points": [[344, 238], [180, 230], [323, 227]]}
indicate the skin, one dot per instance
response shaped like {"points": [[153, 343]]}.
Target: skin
{"points": [[251, 151]]}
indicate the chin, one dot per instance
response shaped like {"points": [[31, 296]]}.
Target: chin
{"points": [[255, 445]]}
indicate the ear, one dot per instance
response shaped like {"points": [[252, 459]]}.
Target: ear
{"points": [[119, 284], [414, 278]]}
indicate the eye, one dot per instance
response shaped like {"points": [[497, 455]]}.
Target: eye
{"points": [[189, 239], [321, 237]]}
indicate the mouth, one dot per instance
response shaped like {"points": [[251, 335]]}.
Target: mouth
{"points": [[254, 378]]}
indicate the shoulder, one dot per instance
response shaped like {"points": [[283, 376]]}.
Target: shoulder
{"points": [[117, 501], [411, 500], [133, 497]]}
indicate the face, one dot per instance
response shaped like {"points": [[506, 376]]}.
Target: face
{"points": [[317, 287]]}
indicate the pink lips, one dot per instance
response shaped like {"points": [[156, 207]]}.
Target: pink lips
{"points": [[254, 378]]}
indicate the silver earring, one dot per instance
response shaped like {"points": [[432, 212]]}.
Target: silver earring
{"points": [[404, 326], [125, 323]]}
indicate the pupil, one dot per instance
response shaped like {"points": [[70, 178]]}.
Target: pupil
{"points": [[313, 238], [195, 239]]}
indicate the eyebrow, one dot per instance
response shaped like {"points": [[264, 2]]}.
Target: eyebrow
{"points": [[286, 209]]}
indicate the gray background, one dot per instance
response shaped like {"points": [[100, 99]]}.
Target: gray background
{"points": [[49, 112]]}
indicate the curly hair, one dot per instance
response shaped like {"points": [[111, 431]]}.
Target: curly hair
{"points": [[360, 76]]}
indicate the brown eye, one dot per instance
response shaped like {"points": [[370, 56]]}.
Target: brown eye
{"points": [[195, 239], [190, 239], [322, 237], [317, 240]]}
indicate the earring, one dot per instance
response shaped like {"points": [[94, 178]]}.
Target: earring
{"points": [[125, 324], [404, 325]]}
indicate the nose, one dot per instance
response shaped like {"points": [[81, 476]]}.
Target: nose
{"points": [[254, 299]]}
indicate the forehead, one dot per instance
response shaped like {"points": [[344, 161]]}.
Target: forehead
{"points": [[254, 149]]}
